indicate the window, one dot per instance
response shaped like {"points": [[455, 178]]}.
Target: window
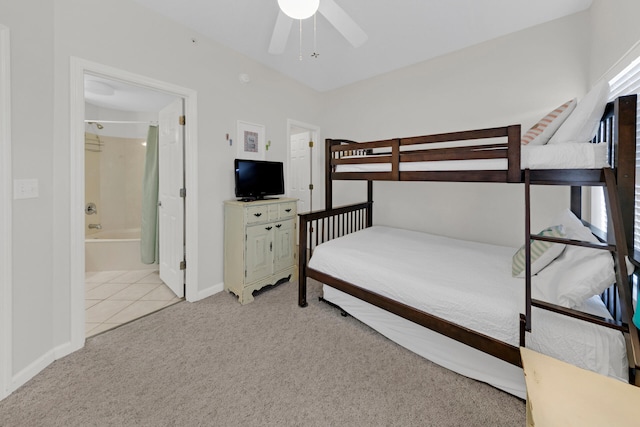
{"points": [[627, 82]]}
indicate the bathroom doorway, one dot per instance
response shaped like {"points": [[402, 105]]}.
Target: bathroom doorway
{"points": [[117, 111], [122, 262]]}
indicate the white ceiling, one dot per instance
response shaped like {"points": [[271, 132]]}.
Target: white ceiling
{"points": [[400, 32], [118, 95]]}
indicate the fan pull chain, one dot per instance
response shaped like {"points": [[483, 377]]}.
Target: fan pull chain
{"points": [[315, 53], [300, 57]]}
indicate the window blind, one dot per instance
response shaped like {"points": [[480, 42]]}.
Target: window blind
{"points": [[627, 82]]}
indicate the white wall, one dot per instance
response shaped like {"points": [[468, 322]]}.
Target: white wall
{"points": [[615, 37], [32, 118], [113, 181], [514, 79]]}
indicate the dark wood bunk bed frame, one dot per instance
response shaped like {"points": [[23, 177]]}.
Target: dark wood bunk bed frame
{"points": [[618, 128]]}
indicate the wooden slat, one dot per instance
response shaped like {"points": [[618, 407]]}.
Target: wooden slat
{"points": [[457, 136], [596, 320], [456, 153], [455, 176], [592, 245], [568, 177]]}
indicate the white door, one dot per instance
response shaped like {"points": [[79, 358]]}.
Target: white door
{"points": [[300, 170], [170, 201]]}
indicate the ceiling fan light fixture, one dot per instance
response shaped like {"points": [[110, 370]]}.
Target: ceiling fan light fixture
{"points": [[299, 9]]}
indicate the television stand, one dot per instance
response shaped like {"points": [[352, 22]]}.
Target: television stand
{"points": [[259, 244]]}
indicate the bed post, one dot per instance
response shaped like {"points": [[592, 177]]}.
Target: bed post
{"points": [[302, 262], [576, 201], [370, 201], [328, 182], [624, 161]]}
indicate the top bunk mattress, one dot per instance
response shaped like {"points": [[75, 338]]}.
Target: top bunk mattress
{"points": [[570, 155], [470, 284]]}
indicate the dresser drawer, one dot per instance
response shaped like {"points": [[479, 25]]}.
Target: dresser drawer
{"points": [[287, 210], [257, 214]]}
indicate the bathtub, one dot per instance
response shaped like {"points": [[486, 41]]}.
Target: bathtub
{"points": [[111, 250]]}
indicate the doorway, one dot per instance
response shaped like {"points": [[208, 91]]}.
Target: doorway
{"points": [[126, 276], [303, 164], [188, 173]]}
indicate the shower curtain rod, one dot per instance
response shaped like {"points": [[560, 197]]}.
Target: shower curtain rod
{"points": [[149, 122]]}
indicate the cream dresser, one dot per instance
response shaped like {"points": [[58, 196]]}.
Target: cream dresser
{"points": [[259, 244]]}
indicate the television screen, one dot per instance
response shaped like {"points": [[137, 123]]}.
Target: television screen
{"points": [[256, 179]]}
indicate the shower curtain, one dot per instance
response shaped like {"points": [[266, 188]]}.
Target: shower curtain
{"points": [[149, 223]]}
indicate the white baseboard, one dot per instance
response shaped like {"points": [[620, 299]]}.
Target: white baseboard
{"points": [[26, 374], [205, 293], [65, 349], [22, 377]]}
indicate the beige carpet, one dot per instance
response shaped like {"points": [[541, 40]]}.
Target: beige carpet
{"points": [[269, 363]]}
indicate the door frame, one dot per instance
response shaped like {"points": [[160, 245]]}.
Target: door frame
{"points": [[80, 67], [318, 187], [6, 305]]}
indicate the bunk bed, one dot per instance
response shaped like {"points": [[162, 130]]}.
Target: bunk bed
{"points": [[429, 304]]}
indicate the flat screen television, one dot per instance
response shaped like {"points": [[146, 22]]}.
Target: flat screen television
{"points": [[257, 179]]}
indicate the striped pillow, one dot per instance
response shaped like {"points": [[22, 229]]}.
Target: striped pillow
{"points": [[542, 253], [541, 132]]}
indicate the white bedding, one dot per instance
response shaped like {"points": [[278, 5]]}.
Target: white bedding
{"points": [[473, 287], [555, 156]]}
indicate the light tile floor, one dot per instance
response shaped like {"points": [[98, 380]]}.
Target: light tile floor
{"points": [[116, 297]]}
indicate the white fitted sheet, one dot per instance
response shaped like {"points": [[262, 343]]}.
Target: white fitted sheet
{"points": [[570, 155], [467, 283]]}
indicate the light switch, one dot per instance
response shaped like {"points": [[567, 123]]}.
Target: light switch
{"points": [[25, 188]]}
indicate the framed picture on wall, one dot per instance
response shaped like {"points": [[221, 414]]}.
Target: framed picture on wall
{"points": [[251, 143]]}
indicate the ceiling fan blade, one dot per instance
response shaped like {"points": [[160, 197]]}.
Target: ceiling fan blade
{"points": [[280, 34], [343, 22]]}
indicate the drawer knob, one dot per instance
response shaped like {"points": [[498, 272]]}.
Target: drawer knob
{"points": [[258, 214], [278, 225], [268, 228], [288, 210]]}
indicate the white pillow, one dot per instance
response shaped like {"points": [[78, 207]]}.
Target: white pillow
{"points": [[582, 123], [580, 272], [541, 132], [542, 253]]}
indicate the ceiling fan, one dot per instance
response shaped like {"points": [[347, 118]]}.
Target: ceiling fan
{"points": [[328, 8]]}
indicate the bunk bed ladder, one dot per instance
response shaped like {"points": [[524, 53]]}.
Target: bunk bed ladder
{"points": [[614, 211], [616, 244]]}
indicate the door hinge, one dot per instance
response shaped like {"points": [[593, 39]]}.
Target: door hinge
{"points": [[310, 186], [183, 265], [183, 192], [310, 144], [182, 120]]}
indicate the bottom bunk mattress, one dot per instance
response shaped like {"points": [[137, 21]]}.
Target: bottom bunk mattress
{"points": [[470, 284]]}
